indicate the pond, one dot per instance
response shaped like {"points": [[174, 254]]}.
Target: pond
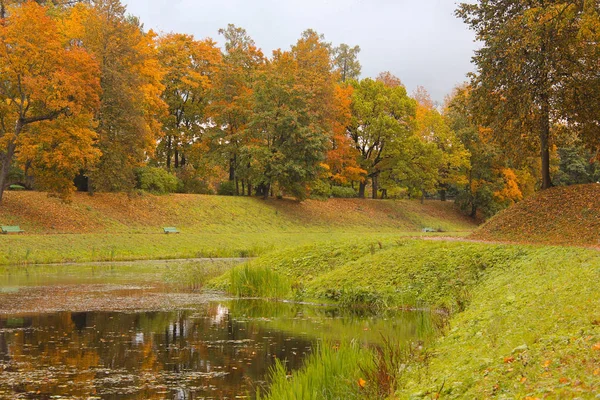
{"points": [[148, 331]]}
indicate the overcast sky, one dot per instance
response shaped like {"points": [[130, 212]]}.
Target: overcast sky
{"points": [[420, 41]]}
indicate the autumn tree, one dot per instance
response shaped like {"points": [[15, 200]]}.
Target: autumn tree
{"points": [[492, 182], [49, 92], [382, 116], [389, 79], [190, 67], [131, 106], [432, 128], [345, 62], [295, 110], [537, 60], [232, 101]]}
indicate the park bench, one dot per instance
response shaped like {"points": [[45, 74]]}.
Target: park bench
{"points": [[11, 229], [426, 230], [170, 229]]}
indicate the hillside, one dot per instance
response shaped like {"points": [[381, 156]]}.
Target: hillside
{"points": [[118, 213], [559, 216], [108, 227]]}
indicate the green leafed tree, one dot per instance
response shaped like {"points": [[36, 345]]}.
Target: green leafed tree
{"points": [[382, 118]]}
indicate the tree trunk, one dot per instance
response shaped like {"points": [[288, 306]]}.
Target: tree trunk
{"points": [[243, 187], [545, 143], [375, 181], [249, 189], [473, 210], [237, 187], [5, 164], [232, 169], [267, 191], [183, 160], [169, 146], [176, 159], [361, 190], [443, 195]]}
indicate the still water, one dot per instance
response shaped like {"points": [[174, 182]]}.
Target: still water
{"points": [[149, 332]]}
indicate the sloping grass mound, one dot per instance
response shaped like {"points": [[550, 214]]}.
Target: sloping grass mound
{"points": [[524, 320], [561, 216], [119, 213]]}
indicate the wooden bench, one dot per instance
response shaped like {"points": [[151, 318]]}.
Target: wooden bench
{"points": [[170, 229], [428, 230], [11, 229]]}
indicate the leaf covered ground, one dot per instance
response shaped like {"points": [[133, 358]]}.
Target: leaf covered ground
{"points": [[559, 216]]}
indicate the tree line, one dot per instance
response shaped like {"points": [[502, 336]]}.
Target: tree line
{"points": [[88, 93]]}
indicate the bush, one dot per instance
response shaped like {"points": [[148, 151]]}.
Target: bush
{"points": [[226, 188], [156, 180], [320, 190], [190, 182], [397, 193], [341, 192]]}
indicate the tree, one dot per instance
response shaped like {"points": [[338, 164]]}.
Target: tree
{"points": [[432, 127], [131, 78], [345, 62], [389, 80], [49, 91], [231, 106], [535, 57], [491, 183], [382, 116], [190, 67]]}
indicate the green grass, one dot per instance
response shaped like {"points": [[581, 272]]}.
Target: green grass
{"points": [[108, 227], [525, 320], [31, 249], [331, 372]]}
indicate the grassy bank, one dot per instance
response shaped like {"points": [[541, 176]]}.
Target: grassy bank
{"points": [[108, 227], [525, 321]]}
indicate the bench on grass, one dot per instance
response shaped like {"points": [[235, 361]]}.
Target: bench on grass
{"points": [[428, 230], [170, 229], [11, 229]]}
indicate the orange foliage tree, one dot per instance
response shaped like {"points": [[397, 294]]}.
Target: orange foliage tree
{"points": [[49, 93]]}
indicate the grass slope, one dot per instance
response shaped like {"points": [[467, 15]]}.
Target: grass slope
{"points": [[118, 227], [525, 320], [560, 216]]}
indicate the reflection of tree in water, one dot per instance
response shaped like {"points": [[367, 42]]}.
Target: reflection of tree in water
{"points": [[140, 355]]}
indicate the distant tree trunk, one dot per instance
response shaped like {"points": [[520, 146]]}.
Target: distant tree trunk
{"points": [[473, 210], [375, 181], [237, 187], [183, 160], [232, 169], [267, 190], [5, 164], [176, 159], [361, 190], [545, 142], [169, 149], [243, 187], [422, 197], [249, 189], [443, 195]]}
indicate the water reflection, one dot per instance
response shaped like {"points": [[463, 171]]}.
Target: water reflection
{"points": [[179, 345]]}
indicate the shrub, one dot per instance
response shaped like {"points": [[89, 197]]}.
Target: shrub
{"points": [[226, 188], [190, 182], [341, 192], [320, 190], [156, 180]]}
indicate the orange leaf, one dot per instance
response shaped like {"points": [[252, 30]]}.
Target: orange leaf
{"points": [[362, 383]]}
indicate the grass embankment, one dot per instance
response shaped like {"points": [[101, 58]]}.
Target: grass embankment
{"points": [[525, 321], [118, 227], [557, 216]]}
